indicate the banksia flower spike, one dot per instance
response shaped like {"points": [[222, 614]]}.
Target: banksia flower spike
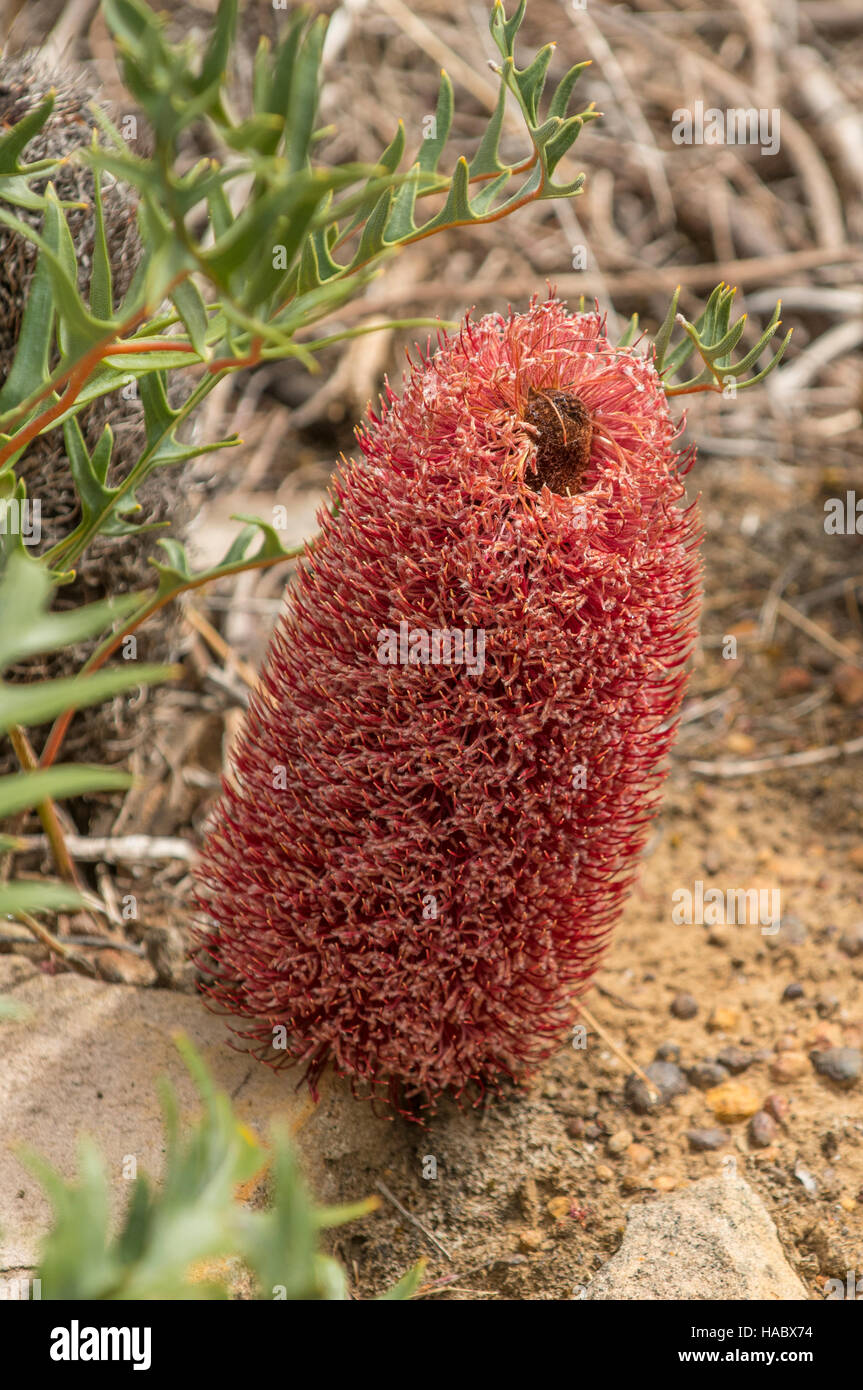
{"points": [[444, 782]]}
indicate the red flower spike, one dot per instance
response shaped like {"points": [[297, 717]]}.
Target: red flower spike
{"points": [[418, 861]]}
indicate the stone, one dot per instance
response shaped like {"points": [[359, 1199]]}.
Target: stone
{"points": [[530, 1240], [665, 1182], [639, 1155], [841, 1064], [778, 1109], [733, 1100], [619, 1142], [684, 1006], [762, 1130], [558, 1208], [706, 1074], [88, 1058], [667, 1079], [712, 1240], [735, 1059], [723, 1020], [706, 1140], [788, 1066], [851, 940]]}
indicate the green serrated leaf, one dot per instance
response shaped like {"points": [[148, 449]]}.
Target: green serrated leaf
{"points": [[13, 143], [101, 280], [190, 305], [28, 629], [23, 896], [26, 789], [504, 30], [36, 704], [432, 146]]}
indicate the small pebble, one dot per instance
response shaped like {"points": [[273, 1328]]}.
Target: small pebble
{"points": [[793, 991], [530, 1240], [777, 1108], [684, 1006], [733, 1100], [805, 1177], [575, 1127], [723, 1020], [706, 1074], [592, 1132], [619, 1142], [664, 1183], [851, 940], [667, 1079], [639, 1155], [830, 1145], [788, 1066], [841, 1064], [826, 1005], [558, 1207], [762, 1130], [705, 1140], [735, 1059], [668, 1052], [603, 1172], [824, 1035]]}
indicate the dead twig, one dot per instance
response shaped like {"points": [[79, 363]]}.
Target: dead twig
{"points": [[751, 767], [382, 1187], [127, 849]]}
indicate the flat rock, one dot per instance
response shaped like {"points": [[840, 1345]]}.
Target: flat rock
{"points": [[87, 1059], [712, 1240]]}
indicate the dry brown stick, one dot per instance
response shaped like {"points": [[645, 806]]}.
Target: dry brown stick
{"points": [[216, 641], [117, 849], [53, 943], [748, 270], [431, 43], [750, 767], [382, 1187], [822, 196], [839, 341], [619, 1052], [603, 54], [818, 633], [74, 20]]}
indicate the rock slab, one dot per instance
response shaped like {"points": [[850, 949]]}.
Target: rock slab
{"points": [[714, 1239]]}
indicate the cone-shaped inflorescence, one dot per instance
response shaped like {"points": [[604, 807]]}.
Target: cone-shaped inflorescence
{"points": [[443, 785]]}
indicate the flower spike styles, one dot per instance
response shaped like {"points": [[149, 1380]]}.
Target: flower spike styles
{"points": [[445, 780]]}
